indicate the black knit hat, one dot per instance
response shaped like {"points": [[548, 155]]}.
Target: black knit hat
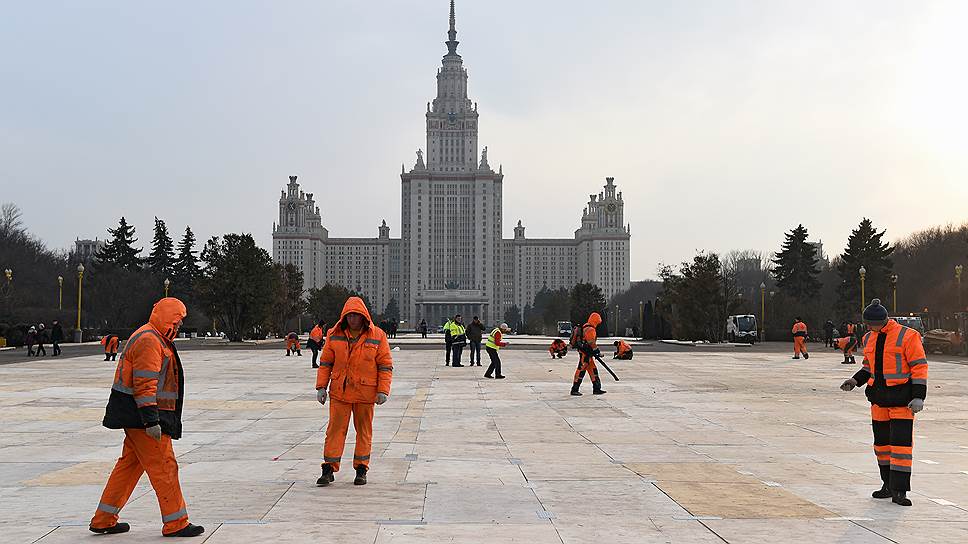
{"points": [[875, 313]]}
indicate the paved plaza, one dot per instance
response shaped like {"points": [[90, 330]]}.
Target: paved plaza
{"points": [[704, 446]]}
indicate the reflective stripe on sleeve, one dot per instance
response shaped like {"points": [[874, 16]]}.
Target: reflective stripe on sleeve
{"points": [[146, 374], [122, 389], [917, 362], [384, 368], [918, 381], [373, 341]]}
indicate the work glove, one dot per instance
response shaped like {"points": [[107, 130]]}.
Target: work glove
{"points": [[321, 395], [849, 384], [597, 353], [155, 431], [916, 405], [381, 398]]}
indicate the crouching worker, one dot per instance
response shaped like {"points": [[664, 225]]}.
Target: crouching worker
{"points": [[623, 351], [357, 368], [896, 373], [110, 343], [847, 345], [558, 349], [292, 344], [146, 402]]}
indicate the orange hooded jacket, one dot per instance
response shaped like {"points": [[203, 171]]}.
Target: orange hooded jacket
{"points": [[355, 369], [148, 382], [623, 347]]}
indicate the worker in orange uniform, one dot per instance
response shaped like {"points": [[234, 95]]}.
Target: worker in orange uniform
{"points": [[847, 344], [800, 339], [587, 351], [110, 343], [292, 344], [623, 351], [316, 339], [896, 373], [146, 401], [558, 349], [357, 368]]}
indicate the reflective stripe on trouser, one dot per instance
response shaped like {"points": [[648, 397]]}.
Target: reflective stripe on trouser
{"points": [[586, 364], [141, 454], [893, 444], [799, 345], [339, 421]]}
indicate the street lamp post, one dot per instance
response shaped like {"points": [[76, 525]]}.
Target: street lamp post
{"points": [[60, 292], [958, 278], [863, 276], [894, 293], [762, 311], [78, 334], [642, 319], [167, 283], [617, 311], [6, 294], [658, 318]]}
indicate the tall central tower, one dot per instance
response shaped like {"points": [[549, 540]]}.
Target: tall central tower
{"points": [[451, 209], [451, 118]]}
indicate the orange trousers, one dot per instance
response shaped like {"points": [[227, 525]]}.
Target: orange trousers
{"points": [[339, 421], [894, 444], [799, 345], [141, 454]]}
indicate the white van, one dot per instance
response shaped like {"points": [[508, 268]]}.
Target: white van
{"points": [[741, 328]]}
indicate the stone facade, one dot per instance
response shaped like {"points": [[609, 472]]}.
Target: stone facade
{"points": [[451, 256]]}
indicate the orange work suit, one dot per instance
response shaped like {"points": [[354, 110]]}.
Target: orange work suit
{"points": [[110, 343], [586, 359], [623, 351], [848, 345], [558, 348], [292, 344], [355, 370], [895, 371], [148, 390], [800, 339]]}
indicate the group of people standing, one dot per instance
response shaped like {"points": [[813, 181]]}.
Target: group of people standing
{"points": [[457, 336], [39, 335]]}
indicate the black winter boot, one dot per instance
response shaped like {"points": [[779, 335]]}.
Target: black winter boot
{"points": [[597, 388], [882, 493], [806, 355], [360, 476], [327, 477], [117, 528], [900, 497], [189, 531]]}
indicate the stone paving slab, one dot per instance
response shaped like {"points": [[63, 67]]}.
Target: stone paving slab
{"points": [[688, 447]]}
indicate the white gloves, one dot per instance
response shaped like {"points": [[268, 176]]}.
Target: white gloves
{"points": [[321, 395], [381, 398], [848, 384], [916, 405], [154, 432]]}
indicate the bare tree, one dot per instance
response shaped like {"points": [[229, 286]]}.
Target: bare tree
{"points": [[11, 222]]}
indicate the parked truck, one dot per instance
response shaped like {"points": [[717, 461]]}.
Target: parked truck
{"points": [[741, 328]]}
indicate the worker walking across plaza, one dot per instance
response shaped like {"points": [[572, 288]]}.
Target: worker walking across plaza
{"points": [[896, 373], [800, 339], [494, 344], [316, 338], [146, 402], [587, 345], [355, 372]]}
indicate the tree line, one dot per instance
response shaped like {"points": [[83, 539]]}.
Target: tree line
{"points": [[691, 301]]}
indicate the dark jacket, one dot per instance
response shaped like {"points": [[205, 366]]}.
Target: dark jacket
{"points": [[122, 412], [57, 333], [475, 331]]}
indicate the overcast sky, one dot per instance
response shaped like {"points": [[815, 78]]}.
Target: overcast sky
{"points": [[724, 123]]}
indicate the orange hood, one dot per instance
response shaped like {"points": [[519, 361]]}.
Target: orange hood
{"points": [[354, 305], [166, 314], [595, 320]]}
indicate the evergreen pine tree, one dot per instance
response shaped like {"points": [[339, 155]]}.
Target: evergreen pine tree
{"points": [[120, 249], [795, 266], [161, 259], [185, 266], [865, 247]]}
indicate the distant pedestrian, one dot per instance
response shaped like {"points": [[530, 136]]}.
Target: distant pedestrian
{"points": [[423, 328], [393, 329], [494, 344], [292, 344], [458, 339], [56, 337], [800, 339], [110, 343], [317, 337], [558, 349], [828, 334], [448, 342], [475, 335], [42, 338], [30, 339]]}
